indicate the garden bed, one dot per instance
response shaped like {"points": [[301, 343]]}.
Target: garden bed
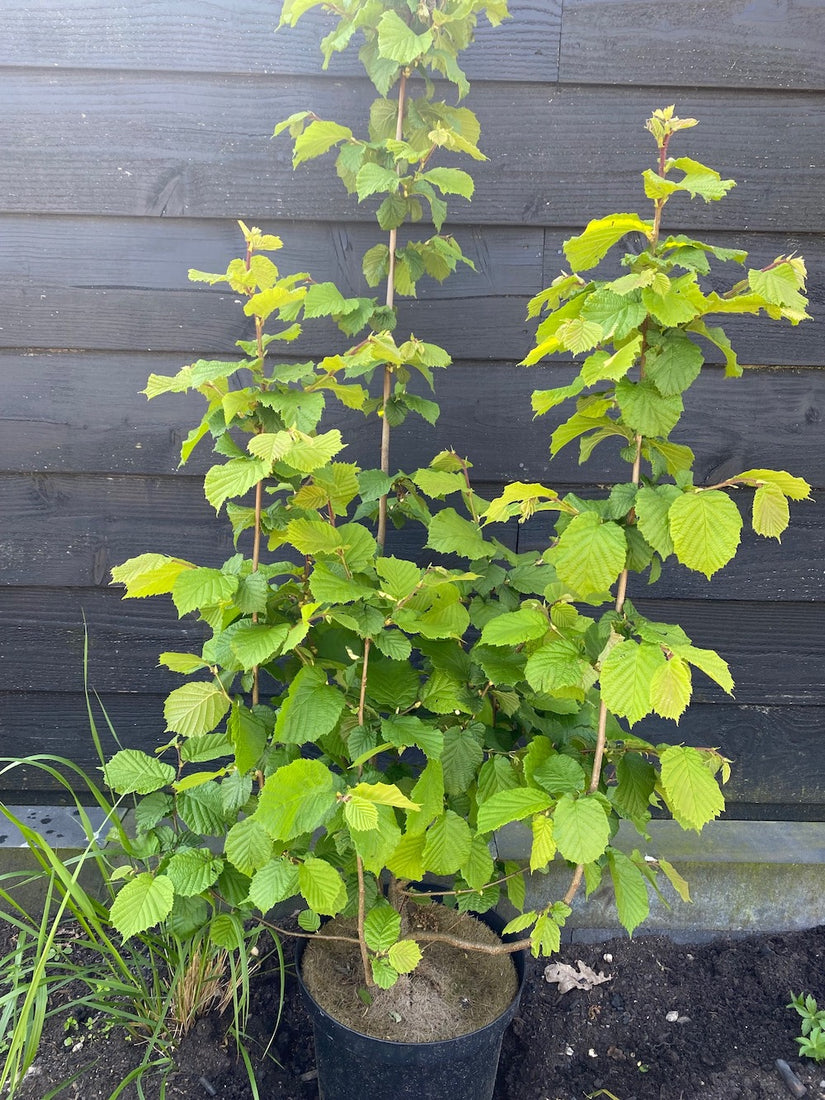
{"points": [[731, 1024]]}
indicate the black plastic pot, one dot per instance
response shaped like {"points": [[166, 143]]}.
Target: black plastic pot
{"points": [[351, 1064]]}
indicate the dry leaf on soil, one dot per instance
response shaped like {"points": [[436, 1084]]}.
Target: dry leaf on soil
{"points": [[567, 977]]}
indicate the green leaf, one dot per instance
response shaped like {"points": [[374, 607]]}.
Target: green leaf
{"points": [[692, 792], [450, 533], [478, 868], [193, 870], [674, 364], [373, 178], [194, 588], [709, 662], [255, 643], [496, 774], [141, 904], [397, 42], [599, 236], [461, 758], [382, 927], [296, 799], [248, 846], [543, 847], [560, 774], [705, 528], [195, 708], [452, 181], [384, 973], [771, 514], [376, 846], [406, 861], [652, 507], [249, 733], [646, 410], [317, 138], [675, 879], [626, 676], [700, 180], [616, 314], [590, 554], [232, 479], [399, 577], [404, 956], [311, 708], [329, 583], [581, 828], [276, 881], [515, 627], [428, 793], [630, 888], [794, 487], [636, 780], [201, 809], [322, 886], [131, 771], [670, 688], [148, 575], [511, 805], [447, 844], [557, 664]]}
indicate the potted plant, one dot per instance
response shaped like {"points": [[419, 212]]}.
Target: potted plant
{"points": [[360, 721]]}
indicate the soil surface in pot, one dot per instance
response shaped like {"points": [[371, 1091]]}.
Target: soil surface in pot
{"points": [[620, 1036], [450, 993]]}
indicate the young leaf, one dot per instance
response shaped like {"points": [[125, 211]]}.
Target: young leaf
{"points": [[448, 843], [692, 792], [322, 886], [771, 514], [581, 828], [276, 881], [248, 846], [382, 927], [705, 528], [626, 678], [599, 236], [141, 904], [543, 847], [311, 708], [195, 708], [296, 799], [670, 688], [590, 554], [404, 956], [193, 870], [630, 888], [131, 771], [511, 805]]}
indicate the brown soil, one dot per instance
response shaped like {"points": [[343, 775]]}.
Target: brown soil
{"points": [[615, 1037], [451, 992]]}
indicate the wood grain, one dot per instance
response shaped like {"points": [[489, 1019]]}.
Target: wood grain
{"points": [[187, 144], [726, 44], [236, 36], [83, 412]]}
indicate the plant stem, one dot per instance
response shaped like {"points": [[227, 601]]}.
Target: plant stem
{"points": [[381, 536], [362, 943]]}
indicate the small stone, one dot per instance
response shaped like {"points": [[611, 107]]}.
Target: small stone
{"points": [[592, 1054], [683, 1020], [568, 1050], [608, 958], [617, 1001], [672, 1017]]}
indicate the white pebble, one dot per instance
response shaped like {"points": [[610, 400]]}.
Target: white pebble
{"points": [[672, 1017]]}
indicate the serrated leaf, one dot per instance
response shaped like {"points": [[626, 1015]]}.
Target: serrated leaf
{"points": [[626, 677], [794, 487], [193, 870], [447, 844], [599, 236], [708, 662], [652, 507], [148, 575], [676, 881], [317, 138], [511, 805], [556, 664], [705, 528], [311, 708], [397, 42], [674, 364], [256, 643], [581, 828], [590, 554], [670, 688], [452, 181], [399, 577], [630, 888], [450, 533], [201, 809], [382, 927], [404, 956], [276, 881], [131, 771], [195, 708], [406, 860], [477, 869], [322, 886], [515, 627], [232, 479], [647, 411], [461, 757], [771, 514], [194, 588], [141, 904], [384, 973], [296, 799], [374, 178], [248, 846], [693, 795], [543, 846]]}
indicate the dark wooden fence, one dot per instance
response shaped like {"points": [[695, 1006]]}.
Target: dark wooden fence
{"points": [[134, 134]]}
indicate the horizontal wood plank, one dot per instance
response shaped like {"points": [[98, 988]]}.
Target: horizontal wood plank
{"points": [[70, 530], [199, 146], [236, 36], [84, 412], [726, 44], [775, 765], [776, 651], [131, 290]]}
